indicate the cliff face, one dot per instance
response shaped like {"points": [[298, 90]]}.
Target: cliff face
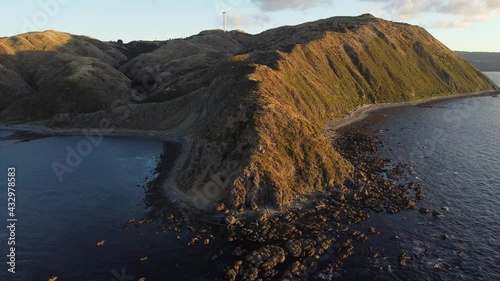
{"points": [[253, 107], [316, 72]]}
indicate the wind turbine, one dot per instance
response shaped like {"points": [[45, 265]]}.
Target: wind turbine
{"points": [[224, 12]]}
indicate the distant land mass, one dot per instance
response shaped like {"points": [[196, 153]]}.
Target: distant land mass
{"points": [[251, 109], [484, 61]]}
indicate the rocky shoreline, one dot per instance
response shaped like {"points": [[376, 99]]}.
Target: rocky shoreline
{"points": [[361, 113], [310, 240]]}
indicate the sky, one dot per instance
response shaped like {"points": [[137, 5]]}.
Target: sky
{"points": [[465, 25]]}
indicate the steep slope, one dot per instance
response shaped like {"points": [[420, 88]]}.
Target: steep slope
{"points": [[323, 71], [252, 108], [52, 72]]}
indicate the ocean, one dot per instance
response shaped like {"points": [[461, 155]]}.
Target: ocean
{"points": [[102, 197], [452, 146], [454, 149]]}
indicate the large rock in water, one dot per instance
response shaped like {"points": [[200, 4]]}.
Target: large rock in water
{"points": [[252, 107]]}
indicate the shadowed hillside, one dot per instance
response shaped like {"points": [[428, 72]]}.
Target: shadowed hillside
{"points": [[135, 48], [43, 74], [252, 108]]}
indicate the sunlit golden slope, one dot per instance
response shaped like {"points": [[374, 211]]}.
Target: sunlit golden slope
{"points": [[269, 139], [251, 108]]}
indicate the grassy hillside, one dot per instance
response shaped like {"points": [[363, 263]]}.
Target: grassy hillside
{"points": [[135, 48], [47, 73], [308, 79], [252, 108]]}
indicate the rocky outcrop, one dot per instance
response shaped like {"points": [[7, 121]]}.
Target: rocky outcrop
{"points": [[251, 107]]}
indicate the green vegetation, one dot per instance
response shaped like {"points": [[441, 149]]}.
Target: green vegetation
{"points": [[252, 107], [324, 79], [47, 73]]}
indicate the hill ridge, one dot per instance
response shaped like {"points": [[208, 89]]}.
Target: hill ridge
{"points": [[252, 108]]}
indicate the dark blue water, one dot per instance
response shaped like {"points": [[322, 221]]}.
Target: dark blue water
{"points": [[453, 146], [59, 223], [455, 149]]}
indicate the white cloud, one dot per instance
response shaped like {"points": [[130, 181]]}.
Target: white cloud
{"points": [[451, 24], [277, 5], [467, 12], [261, 19], [238, 20]]}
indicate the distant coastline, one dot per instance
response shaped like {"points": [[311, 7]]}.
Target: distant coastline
{"points": [[484, 61], [362, 112], [41, 129]]}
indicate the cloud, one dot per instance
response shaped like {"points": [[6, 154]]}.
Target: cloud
{"points": [[261, 19], [405, 9], [468, 12], [239, 20], [451, 24], [278, 5]]}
